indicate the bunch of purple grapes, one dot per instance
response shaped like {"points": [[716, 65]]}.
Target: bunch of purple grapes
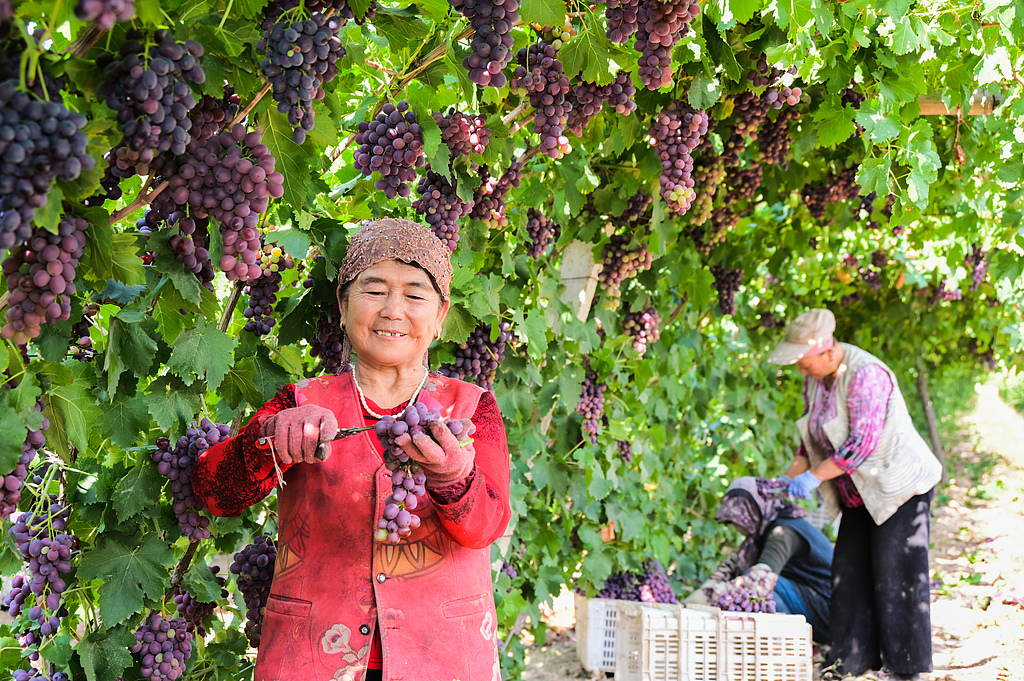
{"points": [[341, 8], [620, 263], [623, 19], [727, 283], [625, 450], [211, 115], [778, 96], [762, 72], [591, 405], [588, 99], [489, 198], [462, 134], [12, 483], [708, 174], [391, 145], [327, 344], [872, 278], [642, 325], [745, 600], [163, 647], [263, 290], [34, 674], [478, 358], [651, 586], [841, 186], [945, 293], [978, 266], [194, 611], [540, 76], [254, 570], [636, 208], [176, 465], [774, 138], [191, 244], [300, 57], [851, 97], [491, 44], [43, 141], [541, 231], [745, 183], [722, 220], [41, 278], [676, 131], [660, 25], [146, 84], [105, 13], [43, 542], [441, 207]]}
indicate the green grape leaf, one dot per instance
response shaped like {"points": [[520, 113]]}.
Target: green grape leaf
{"points": [[72, 411], [744, 10], [458, 324], [138, 490], [543, 12], [203, 352], [704, 92], [877, 126], [133, 571], [835, 124], [201, 583], [590, 56], [292, 159], [12, 436], [172, 403], [124, 420]]}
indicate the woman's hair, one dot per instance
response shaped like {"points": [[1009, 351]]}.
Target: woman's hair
{"points": [[346, 288]]}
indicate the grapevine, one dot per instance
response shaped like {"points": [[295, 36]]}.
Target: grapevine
{"points": [[676, 131], [540, 76], [254, 570], [541, 231], [491, 44], [479, 357], [391, 145], [194, 611], [591, 405]]}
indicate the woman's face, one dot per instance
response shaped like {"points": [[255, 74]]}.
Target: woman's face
{"points": [[392, 314], [817, 366]]}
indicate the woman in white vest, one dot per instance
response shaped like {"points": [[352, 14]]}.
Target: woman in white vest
{"points": [[860, 449]]}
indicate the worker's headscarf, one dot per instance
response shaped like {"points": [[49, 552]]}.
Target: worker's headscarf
{"points": [[749, 506]]}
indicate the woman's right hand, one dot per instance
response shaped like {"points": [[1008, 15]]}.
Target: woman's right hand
{"points": [[298, 431]]}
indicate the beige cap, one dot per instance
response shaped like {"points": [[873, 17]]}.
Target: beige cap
{"points": [[811, 332]]}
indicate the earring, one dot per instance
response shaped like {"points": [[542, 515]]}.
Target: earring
{"points": [[437, 335]]}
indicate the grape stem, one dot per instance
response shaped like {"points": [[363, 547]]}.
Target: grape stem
{"points": [[249, 107], [186, 560], [229, 309], [515, 112], [137, 203]]}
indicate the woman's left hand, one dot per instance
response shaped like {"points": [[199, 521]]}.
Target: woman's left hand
{"points": [[443, 458]]}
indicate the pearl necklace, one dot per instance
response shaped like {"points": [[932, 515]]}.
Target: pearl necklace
{"points": [[362, 397]]}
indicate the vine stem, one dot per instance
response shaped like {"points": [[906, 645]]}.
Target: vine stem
{"points": [[515, 112], [675, 312], [184, 562], [251, 105], [138, 203], [229, 309]]}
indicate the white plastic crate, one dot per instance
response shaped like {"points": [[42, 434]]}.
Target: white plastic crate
{"points": [[764, 647], [666, 644], [597, 630]]}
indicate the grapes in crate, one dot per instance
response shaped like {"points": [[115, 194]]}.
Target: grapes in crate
{"points": [[745, 600]]}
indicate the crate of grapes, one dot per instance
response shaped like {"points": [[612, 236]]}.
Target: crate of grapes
{"points": [[763, 647], [597, 630], [666, 644]]}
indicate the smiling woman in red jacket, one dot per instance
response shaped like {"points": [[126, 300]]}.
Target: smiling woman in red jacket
{"points": [[343, 606]]}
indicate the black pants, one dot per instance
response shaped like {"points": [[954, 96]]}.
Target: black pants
{"points": [[881, 601], [373, 675]]}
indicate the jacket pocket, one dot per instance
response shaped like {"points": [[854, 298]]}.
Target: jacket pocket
{"points": [[466, 606], [293, 607], [286, 651]]}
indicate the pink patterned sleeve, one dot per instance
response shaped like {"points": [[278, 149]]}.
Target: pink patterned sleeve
{"points": [[867, 402]]}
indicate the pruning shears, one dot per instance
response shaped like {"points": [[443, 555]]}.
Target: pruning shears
{"points": [[323, 449]]}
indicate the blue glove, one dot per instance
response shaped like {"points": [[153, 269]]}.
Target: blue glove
{"points": [[784, 478], [804, 486]]}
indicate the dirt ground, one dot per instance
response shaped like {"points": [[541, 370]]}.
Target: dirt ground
{"points": [[977, 562]]}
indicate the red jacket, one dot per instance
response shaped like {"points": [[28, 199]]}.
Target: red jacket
{"points": [[431, 595]]}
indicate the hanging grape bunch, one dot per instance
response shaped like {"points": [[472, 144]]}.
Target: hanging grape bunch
{"points": [[301, 56], [176, 465], [491, 44], [642, 326], [37, 675], [745, 600], [978, 266], [105, 13], [540, 76], [677, 129], [163, 647], [263, 290], [708, 174], [462, 134], [42, 539], [12, 483], [390, 145], [623, 19], [722, 220], [556, 36], [727, 283], [588, 99], [636, 208], [661, 24], [541, 231], [750, 111], [620, 263], [625, 448], [81, 342], [441, 207], [211, 115], [745, 183], [254, 570], [190, 245], [147, 85], [591, 405], [193, 610], [327, 344], [478, 358], [341, 8], [41, 278], [30, 162], [489, 198], [774, 138]]}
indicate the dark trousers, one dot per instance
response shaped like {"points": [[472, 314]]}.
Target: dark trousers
{"points": [[881, 601], [373, 675]]}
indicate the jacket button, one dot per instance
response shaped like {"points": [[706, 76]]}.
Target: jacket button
{"points": [[364, 630], [381, 578]]}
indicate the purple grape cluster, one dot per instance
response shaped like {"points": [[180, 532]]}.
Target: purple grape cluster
{"points": [[462, 134], [636, 208], [105, 13], [441, 207], [489, 198], [210, 115], [146, 84], [407, 480], [163, 647], [642, 326], [341, 8], [540, 76], [676, 131], [194, 611], [774, 138], [841, 186], [978, 265], [41, 278], [650, 586], [945, 293], [40, 141], [34, 674], [851, 97], [625, 448], [14, 481], [588, 99], [478, 358], [262, 291], [744, 183], [43, 542], [727, 283], [492, 42], [620, 263], [722, 220], [300, 56], [390, 145], [708, 174], [661, 24], [762, 72], [751, 112], [176, 465], [778, 96], [591, 405], [254, 570], [191, 246], [327, 343], [541, 231], [745, 600], [623, 19]]}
